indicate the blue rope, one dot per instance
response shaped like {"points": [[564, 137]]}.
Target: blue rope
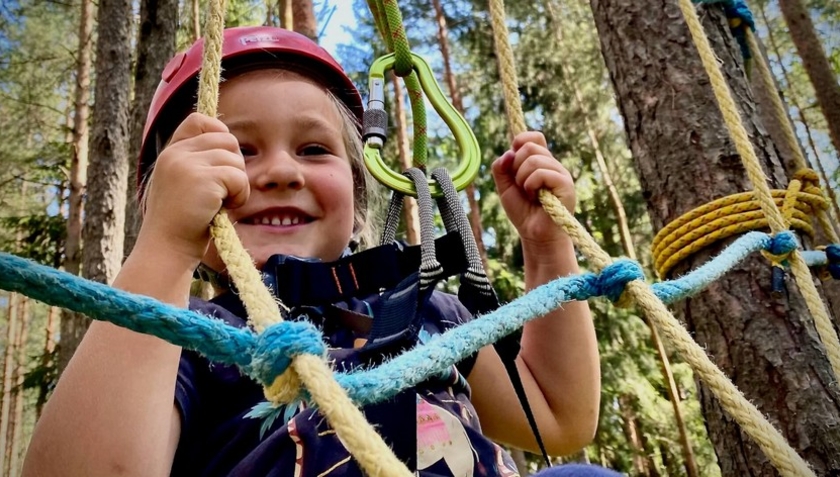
{"points": [[265, 356], [740, 18]]}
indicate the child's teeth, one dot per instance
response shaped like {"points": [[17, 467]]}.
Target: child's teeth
{"points": [[287, 221], [295, 221], [266, 221], [275, 221]]}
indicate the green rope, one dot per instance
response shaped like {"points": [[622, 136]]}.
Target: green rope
{"points": [[389, 23]]}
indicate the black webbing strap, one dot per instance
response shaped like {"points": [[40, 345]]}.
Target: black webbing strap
{"points": [[478, 296]]}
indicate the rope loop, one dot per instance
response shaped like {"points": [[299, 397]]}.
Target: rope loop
{"points": [[275, 348]]}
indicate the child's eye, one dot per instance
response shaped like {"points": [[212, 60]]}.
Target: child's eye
{"points": [[314, 150]]}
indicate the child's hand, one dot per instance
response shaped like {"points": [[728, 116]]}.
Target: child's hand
{"points": [[200, 170], [519, 174]]}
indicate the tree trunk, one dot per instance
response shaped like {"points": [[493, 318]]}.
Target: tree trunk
{"points": [[286, 15], [103, 232], [474, 214], [46, 359], [196, 20], [155, 46], [303, 18], [78, 166], [518, 456], [631, 433], [629, 248], [8, 375], [802, 119], [410, 213], [684, 158], [826, 87], [16, 425]]}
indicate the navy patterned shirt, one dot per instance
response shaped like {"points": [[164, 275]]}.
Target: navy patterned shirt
{"points": [[218, 439]]}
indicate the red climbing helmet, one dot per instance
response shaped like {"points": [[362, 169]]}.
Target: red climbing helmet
{"points": [[244, 47]]}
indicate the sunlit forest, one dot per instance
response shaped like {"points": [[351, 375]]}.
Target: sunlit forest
{"points": [[616, 87]]}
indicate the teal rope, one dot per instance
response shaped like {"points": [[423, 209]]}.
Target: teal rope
{"points": [[265, 356]]}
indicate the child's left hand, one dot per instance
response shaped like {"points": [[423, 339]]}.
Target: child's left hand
{"points": [[519, 174]]}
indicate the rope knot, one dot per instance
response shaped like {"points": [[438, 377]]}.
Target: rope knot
{"points": [[614, 278], [279, 344], [780, 247], [807, 176]]}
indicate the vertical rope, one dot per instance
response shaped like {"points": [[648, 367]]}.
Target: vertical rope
{"points": [[744, 146], [366, 446], [745, 413], [779, 111]]}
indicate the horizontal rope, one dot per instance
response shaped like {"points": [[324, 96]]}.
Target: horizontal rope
{"points": [[264, 356]]}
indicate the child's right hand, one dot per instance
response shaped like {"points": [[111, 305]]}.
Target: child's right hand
{"points": [[201, 170]]}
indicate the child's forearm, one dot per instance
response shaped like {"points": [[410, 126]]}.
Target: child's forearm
{"points": [[112, 411], [561, 349]]}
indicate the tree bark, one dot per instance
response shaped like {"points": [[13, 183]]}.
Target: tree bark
{"points": [[78, 164], [631, 433], [474, 214], [684, 157], [629, 248], [46, 359], [303, 18], [103, 231], [822, 77], [794, 101], [8, 375], [196, 20], [410, 212], [286, 15], [16, 425], [155, 46]]}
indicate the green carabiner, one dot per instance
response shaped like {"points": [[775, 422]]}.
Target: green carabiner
{"points": [[376, 128]]}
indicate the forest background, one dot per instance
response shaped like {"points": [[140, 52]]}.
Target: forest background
{"points": [[72, 107]]}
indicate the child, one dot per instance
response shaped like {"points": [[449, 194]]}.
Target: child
{"points": [[284, 158]]}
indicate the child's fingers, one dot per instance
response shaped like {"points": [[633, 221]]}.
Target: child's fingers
{"points": [[196, 124], [529, 137], [528, 150], [548, 170], [503, 171], [237, 188]]}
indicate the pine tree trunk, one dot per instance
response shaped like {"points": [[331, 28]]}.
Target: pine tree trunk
{"points": [[823, 78], [6, 399], [518, 456], [835, 205], [303, 18], [78, 168], [631, 433], [155, 46], [684, 158], [103, 231], [16, 426], [474, 214], [410, 211], [196, 20], [629, 249], [46, 359], [286, 15]]}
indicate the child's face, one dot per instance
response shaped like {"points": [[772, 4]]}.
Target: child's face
{"points": [[290, 133]]}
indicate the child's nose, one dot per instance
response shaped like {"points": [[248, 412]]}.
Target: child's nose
{"points": [[280, 171]]}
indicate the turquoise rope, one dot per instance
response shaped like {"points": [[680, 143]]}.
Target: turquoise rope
{"points": [[265, 356]]}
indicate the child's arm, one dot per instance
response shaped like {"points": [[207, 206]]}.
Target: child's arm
{"points": [[559, 361], [112, 412]]}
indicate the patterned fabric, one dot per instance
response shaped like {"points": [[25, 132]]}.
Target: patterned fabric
{"points": [[217, 438]]}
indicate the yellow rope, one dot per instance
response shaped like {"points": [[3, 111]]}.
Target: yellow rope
{"points": [[732, 215], [823, 216], [361, 440], [776, 221], [746, 414]]}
